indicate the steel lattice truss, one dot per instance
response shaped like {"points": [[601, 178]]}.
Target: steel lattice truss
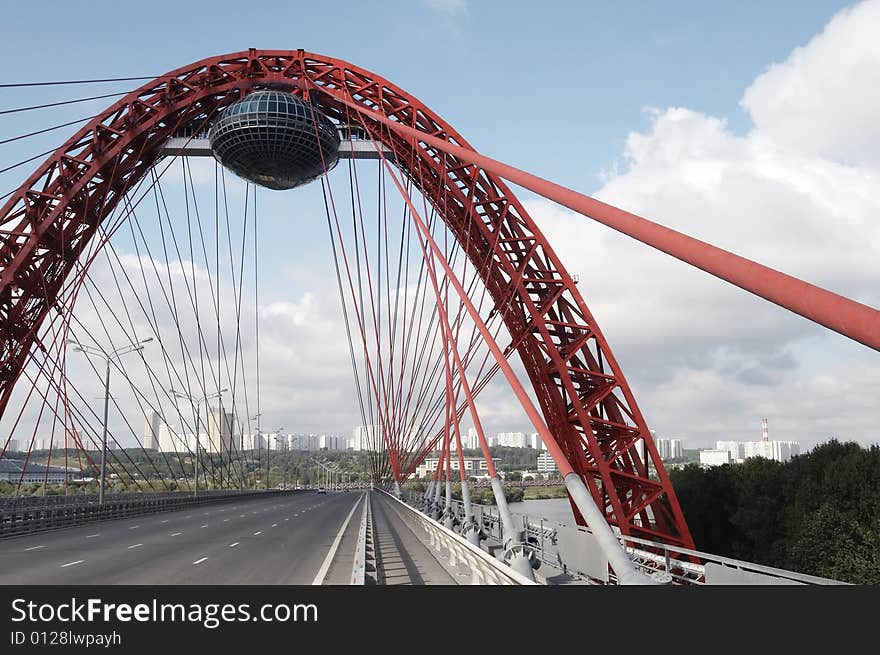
{"points": [[583, 395]]}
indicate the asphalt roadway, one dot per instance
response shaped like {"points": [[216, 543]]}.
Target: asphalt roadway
{"points": [[278, 540]]}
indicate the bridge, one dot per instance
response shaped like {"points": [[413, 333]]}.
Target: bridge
{"points": [[131, 269]]}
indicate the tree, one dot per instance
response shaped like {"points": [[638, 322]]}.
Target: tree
{"points": [[708, 499], [818, 514], [835, 545]]}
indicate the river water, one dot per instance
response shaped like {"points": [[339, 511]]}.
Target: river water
{"points": [[551, 509]]}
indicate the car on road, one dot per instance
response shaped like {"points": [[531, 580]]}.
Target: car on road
{"points": [[322, 490]]}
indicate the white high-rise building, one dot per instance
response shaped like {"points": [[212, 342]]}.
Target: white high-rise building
{"points": [[151, 430], [303, 442], [276, 440], [669, 448], [172, 441], [780, 451], [253, 441], [328, 441], [471, 439], [735, 448], [534, 441], [511, 439], [221, 431], [367, 437], [546, 464], [739, 451], [12, 445], [714, 457]]}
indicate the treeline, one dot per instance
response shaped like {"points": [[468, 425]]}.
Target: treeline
{"points": [[817, 514], [154, 472]]}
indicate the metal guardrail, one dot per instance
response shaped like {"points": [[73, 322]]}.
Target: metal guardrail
{"points": [[31, 519], [13, 502], [676, 563], [540, 533], [484, 568], [662, 562], [364, 548]]}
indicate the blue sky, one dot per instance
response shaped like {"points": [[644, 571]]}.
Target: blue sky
{"points": [[735, 122], [514, 77]]}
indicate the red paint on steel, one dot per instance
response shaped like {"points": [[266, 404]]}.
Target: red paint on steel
{"points": [[583, 396], [843, 315]]}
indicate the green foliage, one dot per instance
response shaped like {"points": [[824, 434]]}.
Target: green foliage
{"points": [[484, 495], [817, 514], [541, 493], [164, 472]]}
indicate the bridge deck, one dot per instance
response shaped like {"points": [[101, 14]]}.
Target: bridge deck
{"points": [[275, 540], [280, 540]]}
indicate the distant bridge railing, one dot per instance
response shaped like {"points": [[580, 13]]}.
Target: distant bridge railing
{"points": [[573, 549], [483, 568], [29, 517], [539, 532], [485, 482], [676, 565], [9, 502]]}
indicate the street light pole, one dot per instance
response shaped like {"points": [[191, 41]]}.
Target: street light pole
{"points": [[197, 401], [277, 433], [257, 443], [91, 350], [196, 472], [104, 437]]}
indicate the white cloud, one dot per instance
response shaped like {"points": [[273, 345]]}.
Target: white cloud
{"points": [[823, 99], [705, 360], [798, 193]]}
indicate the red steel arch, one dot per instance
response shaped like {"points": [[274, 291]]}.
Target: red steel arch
{"points": [[584, 397]]}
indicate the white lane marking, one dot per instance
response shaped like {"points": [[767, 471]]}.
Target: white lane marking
{"points": [[79, 561], [205, 513], [190, 516], [134, 527], [274, 525], [256, 533], [233, 545], [135, 546], [34, 547], [92, 536], [204, 526], [199, 561], [241, 515], [165, 521], [319, 577], [225, 520], [287, 519], [174, 534]]}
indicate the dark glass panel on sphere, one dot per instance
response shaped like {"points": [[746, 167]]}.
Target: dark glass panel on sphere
{"points": [[275, 139]]}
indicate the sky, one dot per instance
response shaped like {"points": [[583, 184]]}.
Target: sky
{"points": [[751, 125]]}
